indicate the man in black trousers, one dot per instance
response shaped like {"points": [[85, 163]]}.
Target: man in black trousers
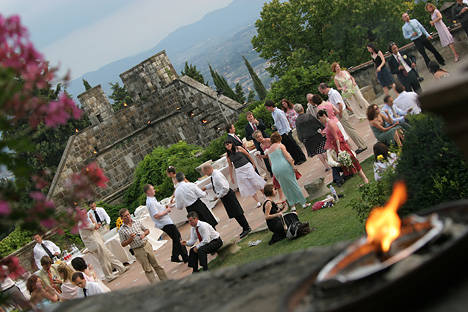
{"points": [[209, 241], [283, 128], [414, 31], [402, 64], [253, 125]]}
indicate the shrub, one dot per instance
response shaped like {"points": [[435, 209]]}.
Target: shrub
{"points": [[14, 241], [431, 165], [152, 169]]}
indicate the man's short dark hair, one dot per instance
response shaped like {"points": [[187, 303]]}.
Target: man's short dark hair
{"points": [[122, 211], [146, 187], [399, 87], [77, 275], [192, 214], [79, 264], [228, 127], [171, 169], [390, 45], [317, 99], [387, 98], [180, 176], [323, 86], [90, 202], [269, 103]]}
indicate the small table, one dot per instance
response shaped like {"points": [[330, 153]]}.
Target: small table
{"points": [[112, 242]]}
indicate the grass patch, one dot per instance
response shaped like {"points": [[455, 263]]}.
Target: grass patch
{"points": [[332, 225]]}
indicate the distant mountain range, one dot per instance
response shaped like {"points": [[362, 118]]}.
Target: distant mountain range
{"points": [[220, 38]]}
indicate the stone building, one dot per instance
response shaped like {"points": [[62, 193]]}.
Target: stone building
{"points": [[167, 109]]}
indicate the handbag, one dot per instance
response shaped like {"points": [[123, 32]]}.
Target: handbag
{"points": [[332, 158]]}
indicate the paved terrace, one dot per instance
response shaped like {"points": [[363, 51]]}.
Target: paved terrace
{"points": [[229, 229]]}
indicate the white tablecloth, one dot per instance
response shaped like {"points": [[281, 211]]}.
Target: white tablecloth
{"points": [[142, 215], [112, 242]]}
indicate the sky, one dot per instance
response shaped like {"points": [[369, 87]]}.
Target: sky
{"points": [[84, 35]]}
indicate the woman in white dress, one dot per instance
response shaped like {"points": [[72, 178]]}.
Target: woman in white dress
{"points": [[446, 38], [248, 181], [350, 91]]}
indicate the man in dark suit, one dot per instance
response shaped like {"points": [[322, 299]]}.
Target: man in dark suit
{"points": [[253, 125], [232, 137], [403, 64]]}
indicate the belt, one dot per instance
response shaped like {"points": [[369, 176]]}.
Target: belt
{"points": [[140, 246]]}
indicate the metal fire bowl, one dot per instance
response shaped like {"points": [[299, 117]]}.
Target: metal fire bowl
{"points": [[444, 264], [341, 278]]}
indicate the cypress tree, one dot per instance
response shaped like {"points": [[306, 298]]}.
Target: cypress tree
{"points": [[222, 84], [86, 85], [239, 93], [193, 72], [258, 85]]}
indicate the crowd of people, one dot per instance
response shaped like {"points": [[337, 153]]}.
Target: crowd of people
{"points": [[321, 129]]}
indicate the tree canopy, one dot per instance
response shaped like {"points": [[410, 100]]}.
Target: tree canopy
{"points": [[120, 96], [296, 33]]}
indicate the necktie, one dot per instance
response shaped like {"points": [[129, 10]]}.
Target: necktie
{"points": [[237, 138], [84, 292], [198, 234], [405, 73], [98, 220], [254, 126], [47, 251], [214, 190]]}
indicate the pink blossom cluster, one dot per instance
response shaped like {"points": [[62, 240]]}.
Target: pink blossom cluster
{"points": [[18, 54], [11, 267]]}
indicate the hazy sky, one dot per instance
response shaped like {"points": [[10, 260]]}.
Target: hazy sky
{"points": [[83, 35]]}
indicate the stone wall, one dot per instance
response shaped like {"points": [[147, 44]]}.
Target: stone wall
{"points": [[173, 109], [365, 75]]}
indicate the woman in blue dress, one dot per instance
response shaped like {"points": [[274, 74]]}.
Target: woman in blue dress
{"points": [[282, 165]]}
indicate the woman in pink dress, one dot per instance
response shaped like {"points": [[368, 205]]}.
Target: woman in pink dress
{"points": [[291, 114], [331, 112], [336, 142], [446, 38]]}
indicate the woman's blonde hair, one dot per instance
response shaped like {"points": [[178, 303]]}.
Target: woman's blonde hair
{"points": [[65, 271], [430, 5]]}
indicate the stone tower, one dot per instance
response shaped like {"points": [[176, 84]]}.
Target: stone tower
{"points": [[149, 77], [96, 105]]}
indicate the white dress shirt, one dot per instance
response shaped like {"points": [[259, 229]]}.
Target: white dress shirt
{"points": [[92, 288], [186, 194], [281, 122], [220, 183], [407, 100], [154, 207], [39, 252], [402, 62], [101, 213], [335, 98], [206, 231]]}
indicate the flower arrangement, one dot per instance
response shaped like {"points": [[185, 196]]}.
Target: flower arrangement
{"points": [[118, 222], [344, 159], [380, 158]]}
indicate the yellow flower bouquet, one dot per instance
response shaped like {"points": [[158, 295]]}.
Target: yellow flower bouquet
{"points": [[118, 222]]}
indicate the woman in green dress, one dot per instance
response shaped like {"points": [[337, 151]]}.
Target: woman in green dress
{"points": [[387, 135], [282, 165]]}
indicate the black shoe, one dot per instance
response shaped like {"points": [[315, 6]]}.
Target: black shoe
{"points": [[176, 260], [421, 78], [245, 233], [360, 150]]}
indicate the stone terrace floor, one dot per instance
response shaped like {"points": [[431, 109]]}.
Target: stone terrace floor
{"points": [[229, 229]]}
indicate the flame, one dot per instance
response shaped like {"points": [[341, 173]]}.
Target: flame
{"points": [[383, 225], [204, 121]]}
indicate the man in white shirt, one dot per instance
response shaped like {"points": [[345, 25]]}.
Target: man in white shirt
{"points": [[44, 248], [86, 288], [335, 98], [187, 195], [97, 215], [209, 241], [406, 101], [394, 114], [160, 216], [220, 186]]}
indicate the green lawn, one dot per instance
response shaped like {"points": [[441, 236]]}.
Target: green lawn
{"points": [[332, 225]]}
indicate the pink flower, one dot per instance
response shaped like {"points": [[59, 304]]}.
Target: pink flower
{"points": [[95, 174], [4, 208], [48, 223]]}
